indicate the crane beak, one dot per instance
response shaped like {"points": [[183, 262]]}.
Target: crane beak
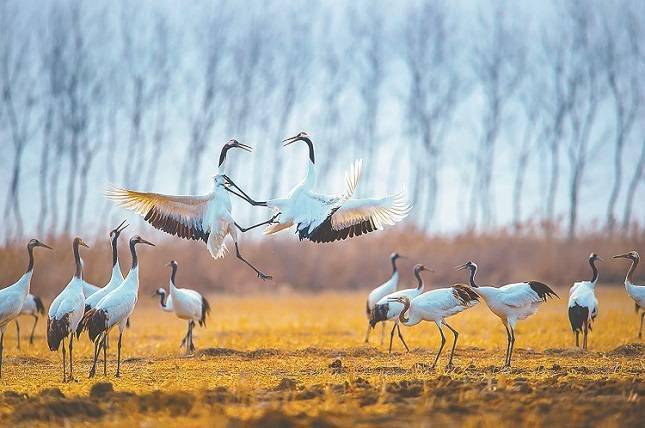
{"points": [[402, 257], [120, 228], [600, 258], [621, 256], [243, 146], [143, 241], [290, 140], [82, 243], [460, 267], [40, 244]]}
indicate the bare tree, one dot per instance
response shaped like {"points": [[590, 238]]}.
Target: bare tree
{"points": [[19, 102], [435, 82], [637, 177], [620, 65], [498, 66]]}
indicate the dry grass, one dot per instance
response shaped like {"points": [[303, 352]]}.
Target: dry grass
{"points": [[295, 360]]}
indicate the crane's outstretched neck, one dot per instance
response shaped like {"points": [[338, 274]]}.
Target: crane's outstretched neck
{"points": [[133, 251], [30, 250], [420, 283], [406, 307], [77, 259], [394, 270], [173, 273], [594, 270], [115, 256]]}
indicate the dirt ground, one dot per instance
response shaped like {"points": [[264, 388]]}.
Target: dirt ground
{"points": [[299, 360]]}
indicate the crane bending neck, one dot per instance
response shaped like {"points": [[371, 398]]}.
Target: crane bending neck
{"points": [[115, 257], [173, 273], [471, 279], [594, 271], [420, 283], [408, 321], [629, 279], [163, 299], [310, 144], [133, 251], [394, 271]]}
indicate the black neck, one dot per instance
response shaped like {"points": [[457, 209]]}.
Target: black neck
{"points": [[135, 260], [393, 265], [77, 259], [114, 251], [162, 298], [631, 270], [173, 273], [592, 263], [471, 279], [311, 149], [222, 155], [417, 273], [30, 266]]}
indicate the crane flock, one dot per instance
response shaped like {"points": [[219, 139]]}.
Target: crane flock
{"points": [[317, 217]]}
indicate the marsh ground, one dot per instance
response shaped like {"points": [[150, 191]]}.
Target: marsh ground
{"points": [[296, 360]]}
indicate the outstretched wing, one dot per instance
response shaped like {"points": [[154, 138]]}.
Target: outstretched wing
{"points": [[183, 216], [525, 293]]}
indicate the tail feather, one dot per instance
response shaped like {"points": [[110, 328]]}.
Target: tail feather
{"points": [[636, 307], [466, 295], [577, 316], [40, 308], [95, 322], [379, 313], [57, 330], [542, 290], [206, 309]]}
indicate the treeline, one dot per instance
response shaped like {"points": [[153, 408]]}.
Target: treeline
{"points": [[507, 108]]}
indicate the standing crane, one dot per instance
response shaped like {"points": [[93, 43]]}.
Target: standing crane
{"points": [[66, 312], [116, 278], [327, 218], [388, 309], [388, 287], [511, 302], [437, 305], [636, 292], [12, 298], [33, 306], [199, 217], [583, 304], [186, 304], [115, 308]]}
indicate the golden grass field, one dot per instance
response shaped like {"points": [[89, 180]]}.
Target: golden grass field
{"points": [[299, 360]]}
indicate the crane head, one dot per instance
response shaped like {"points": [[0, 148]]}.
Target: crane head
{"points": [[159, 292], [114, 234], [632, 255], [593, 257], [468, 265], [301, 136], [136, 239], [36, 243], [395, 256], [230, 144], [78, 241], [419, 268], [172, 264]]}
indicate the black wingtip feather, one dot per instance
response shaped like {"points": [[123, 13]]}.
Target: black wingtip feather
{"points": [[577, 316], [95, 322], [379, 313], [206, 309], [542, 290], [40, 308], [56, 331]]}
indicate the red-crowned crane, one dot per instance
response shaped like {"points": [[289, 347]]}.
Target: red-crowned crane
{"points": [[199, 217], [636, 292], [115, 308], [381, 291], [326, 218], [583, 304], [116, 278], [511, 302], [437, 305], [12, 298], [186, 304], [33, 306], [387, 309], [66, 312]]}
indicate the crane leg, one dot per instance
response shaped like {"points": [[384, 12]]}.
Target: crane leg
{"points": [[71, 358], [260, 274], [454, 343], [577, 333], [33, 330], [367, 335], [118, 355], [1, 350], [382, 332], [104, 346], [18, 333], [64, 363], [640, 329], [398, 328], [392, 337], [192, 344], [508, 346], [584, 336], [246, 229], [443, 342], [97, 349], [510, 353], [244, 196]]}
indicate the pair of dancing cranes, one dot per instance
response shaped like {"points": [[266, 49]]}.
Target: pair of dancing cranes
{"points": [[511, 303], [318, 217]]}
